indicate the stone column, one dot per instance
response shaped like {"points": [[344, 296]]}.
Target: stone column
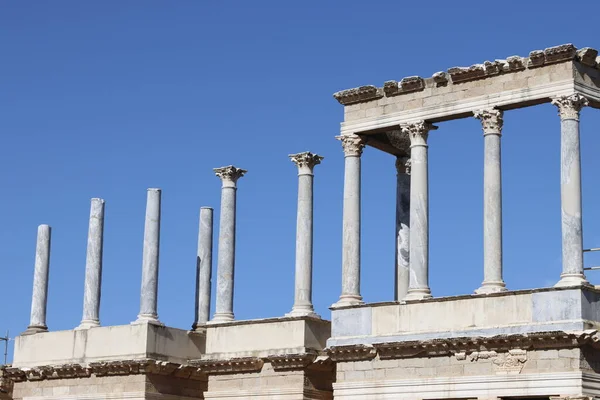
{"points": [[93, 267], [491, 122], [39, 299], [203, 267], [353, 146], [402, 227], [226, 257], [570, 189], [304, 235], [149, 293], [419, 211]]}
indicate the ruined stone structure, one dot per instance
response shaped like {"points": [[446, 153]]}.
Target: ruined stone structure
{"points": [[493, 343]]}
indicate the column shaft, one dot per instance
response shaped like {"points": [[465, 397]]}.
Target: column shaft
{"points": [[353, 146], [226, 252], [570, 190], [304, 235], [93, 267], [402, 227], [492, 121], [39, 299], [149, 292], [203, 267]]}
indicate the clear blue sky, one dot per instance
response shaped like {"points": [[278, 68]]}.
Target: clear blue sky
{"points": [[105, 99]]}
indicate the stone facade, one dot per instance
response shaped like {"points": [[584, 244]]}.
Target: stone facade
{"points": [[494, 343]]}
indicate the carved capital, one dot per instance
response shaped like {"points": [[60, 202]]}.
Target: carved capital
{"points": [[353, 145], [229, 175], [570, 106], [418, 132], [491, 120], [306, 162], [403, 165]]}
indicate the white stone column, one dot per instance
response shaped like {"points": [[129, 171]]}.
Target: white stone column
{"points": [[39, 298], [353, 146], [491, 122], [204, 267], [149, 293], [570, 189], [419, 211], [304, 235], [226, 257], [93, 267], [402, 227]]}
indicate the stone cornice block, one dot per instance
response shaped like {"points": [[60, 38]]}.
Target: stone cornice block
{"points": [[358, 352], [230, 366], [288, 362], [564, 52], [587, 56], [359, 94]]}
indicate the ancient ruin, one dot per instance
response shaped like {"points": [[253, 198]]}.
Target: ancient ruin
{"points": [[489, 344]]}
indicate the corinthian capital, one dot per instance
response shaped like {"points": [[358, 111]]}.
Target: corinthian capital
{"points": [[491, 120], [569, 106], [353, 144], [229, 175], [418, 132], [305, 162]]}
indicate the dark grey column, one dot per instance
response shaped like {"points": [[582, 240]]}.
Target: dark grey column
{"points": [[419, 211], [402, 226], [149, 293], [39, 298], [226, 257], [353, 146], [93, 267], [570, 189], [203, 267], [304, 235]]}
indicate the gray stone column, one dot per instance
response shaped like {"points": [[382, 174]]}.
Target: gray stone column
{"points": [[353, 146], [149, 293], [491, 121], [402, 227], [419, 211], [93, 267], [226, 257], [304, 235], [204, 267], [570, 189], [39, 298]]}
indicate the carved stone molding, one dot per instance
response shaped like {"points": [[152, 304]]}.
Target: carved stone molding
{"points": [[511, 362], [556, 54], [357, 352], [570, 106], [358, 95], [306, 161], [440, 78], [418, 132], [230, 366], [229, 173], [353, 145], [587, 56], [288, 362], [491, 120]]}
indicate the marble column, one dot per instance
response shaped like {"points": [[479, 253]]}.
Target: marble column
{"points": [[353, 146], [570, 189], [304, 235], [149, 293], [226, 256], [491, 122], [418, 287], [204, 267], [402, 227], [93, 267], [39, 299]]}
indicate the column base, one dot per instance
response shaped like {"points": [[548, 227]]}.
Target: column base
{"points": [[418, 294], [572, 280], [33, 329], [348, 300], [88, 323], [491, 287], [303, 312], [221, 317], [147, 319]]}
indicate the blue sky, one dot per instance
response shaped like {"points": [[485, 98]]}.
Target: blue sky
{"points": [[105, 99]]}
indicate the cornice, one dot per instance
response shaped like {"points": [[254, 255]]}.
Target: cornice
{"points": [[358, 352], [229, 366]]}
